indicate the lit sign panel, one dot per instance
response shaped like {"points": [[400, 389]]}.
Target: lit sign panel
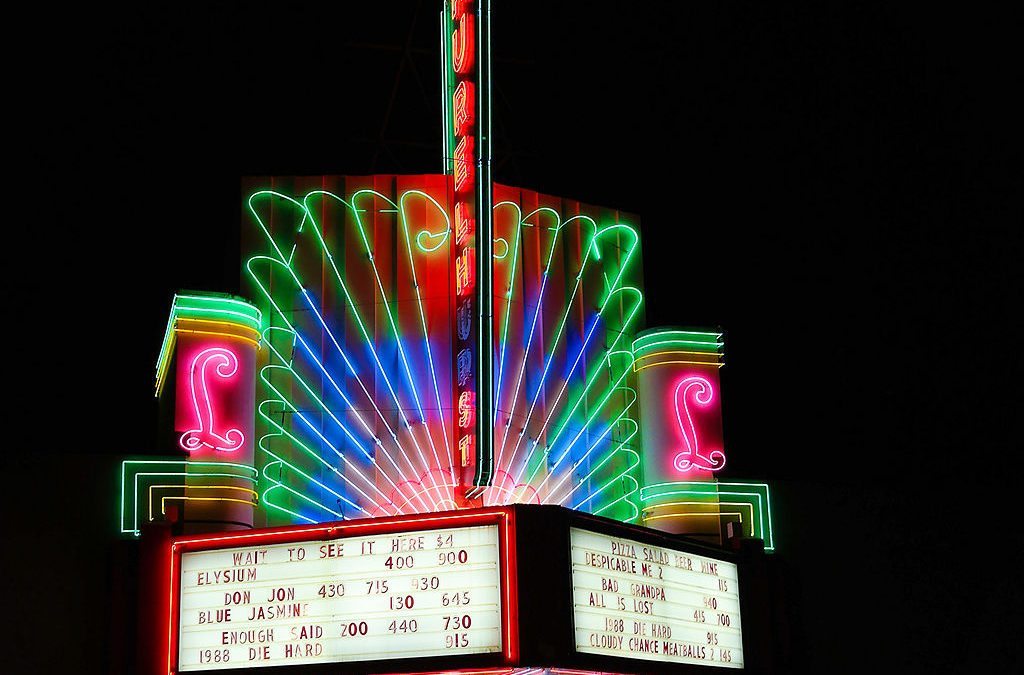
{"points": [[653, 603], [387, 595]]}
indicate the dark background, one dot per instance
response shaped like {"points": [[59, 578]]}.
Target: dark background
{"points": [[838, 187]]}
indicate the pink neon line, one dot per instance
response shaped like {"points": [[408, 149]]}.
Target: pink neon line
{"points": [[226, 367], [683, 461]]}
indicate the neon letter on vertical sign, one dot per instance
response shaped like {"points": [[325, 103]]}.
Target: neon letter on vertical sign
{"points": [[465, 366], [464, 272], [691, 457], [466, 449], [464, 320], [225, 365], [464, 164], [464, 224], [467, 409], [463, 42], [463, 105]]}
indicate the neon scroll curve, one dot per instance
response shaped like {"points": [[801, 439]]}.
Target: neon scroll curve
{"points": [[691, 457], [424, 236], [224, 364]]}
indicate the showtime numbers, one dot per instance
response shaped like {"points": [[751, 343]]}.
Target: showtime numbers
{"points": [[426, 584], [452, 558], [331, 590], [404, 626], [402, 602], [456, 640], [455, 599], [354, 628], [458, 622], [399, 562]]}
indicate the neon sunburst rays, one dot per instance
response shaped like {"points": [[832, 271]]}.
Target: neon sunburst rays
{"points": [[355, 400]]}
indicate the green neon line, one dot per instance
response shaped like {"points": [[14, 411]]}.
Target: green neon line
{"points": [[403, 217], [356, 213], [536, 315], [370, 343], [341, 352], [283, 432], [505, 254], [323, 406], [175, 463], [278, 484], [270, 503], [686, 335], [593, 446], [710, 348], [591, 380], [430, 235], [600, 465], [245, 308], [554, 343], [190, 306], [705, 488], [135, 490], [597, 409], [281, 486], [341, 455], [508, 302], [626, 495], [337, 388], [292, 467], [613, 289], [294, 333]]}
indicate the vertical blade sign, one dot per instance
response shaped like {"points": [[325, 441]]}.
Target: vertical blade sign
{"points": [[462, 30]]}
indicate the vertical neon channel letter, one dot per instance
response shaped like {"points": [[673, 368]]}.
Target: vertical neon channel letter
{"points": [[464, 224], [691, 457], [466, 449], [462, 107], [464, 164], [224, 364], [463, 43], [465, 272], [465, 366], [467, 409]]}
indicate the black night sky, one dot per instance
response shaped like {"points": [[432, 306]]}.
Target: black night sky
{"points": [[837, 186]]}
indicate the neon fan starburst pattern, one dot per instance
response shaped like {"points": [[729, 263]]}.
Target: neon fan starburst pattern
{"points": [[355, 411]]}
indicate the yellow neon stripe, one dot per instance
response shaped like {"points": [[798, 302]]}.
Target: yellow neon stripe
{"points": [[194, 327], [683, 515], [697, 515], [710, 355], [163, 501], [714, 503], [712, 359], [254, 343], [664, 363], [164, 365], [198, 487], [203, 323]]}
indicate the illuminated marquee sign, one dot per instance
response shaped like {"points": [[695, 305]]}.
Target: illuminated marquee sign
{"points": [[397, 589], [654, 603], [465, 29]]}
